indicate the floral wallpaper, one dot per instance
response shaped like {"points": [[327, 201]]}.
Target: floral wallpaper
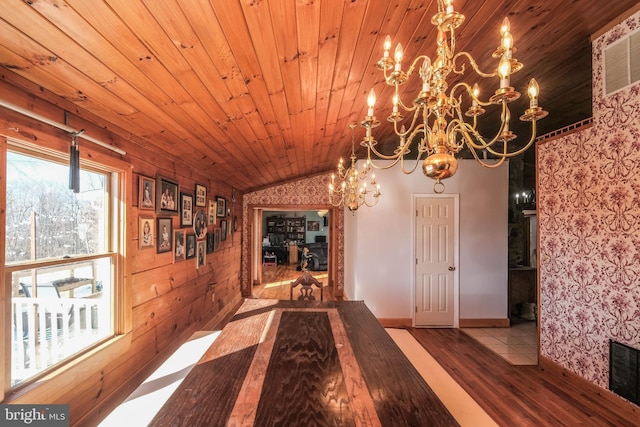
{"points": [[589, 225], [308, 191]]}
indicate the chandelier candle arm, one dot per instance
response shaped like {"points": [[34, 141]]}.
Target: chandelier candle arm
{"points": [[403, 147], [473, 63], [438, 126]]}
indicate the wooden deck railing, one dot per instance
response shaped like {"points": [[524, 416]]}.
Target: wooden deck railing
{"points": [[47, 330]]}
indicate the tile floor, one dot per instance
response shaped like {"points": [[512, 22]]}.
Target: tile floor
{"points": [[518, 344]]}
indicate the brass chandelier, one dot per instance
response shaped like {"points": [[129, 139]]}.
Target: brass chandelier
{"points": [[438, 123], [349, 193]]}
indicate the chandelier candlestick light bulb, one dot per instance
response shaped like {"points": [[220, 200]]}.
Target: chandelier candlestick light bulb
{"points": [[349, 193], [437, 122]]}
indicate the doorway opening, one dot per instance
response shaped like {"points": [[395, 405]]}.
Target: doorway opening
{"points": [[518, 344], [523, 286], [284, 239]]}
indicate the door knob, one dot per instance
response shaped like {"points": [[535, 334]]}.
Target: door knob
{"points": [[451, 268]]}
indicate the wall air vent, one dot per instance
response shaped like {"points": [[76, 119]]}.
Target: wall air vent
{"points": [[622, 63], [624, 371]]}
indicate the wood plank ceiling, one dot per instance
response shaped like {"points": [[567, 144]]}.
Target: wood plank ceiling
{"points": [[264, 91]]}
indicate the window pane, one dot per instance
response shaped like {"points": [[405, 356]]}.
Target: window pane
{"points": [[47, 220], [57, 312]]}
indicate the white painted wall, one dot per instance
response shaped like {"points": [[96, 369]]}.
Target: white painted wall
{"points": [[379, 254]]}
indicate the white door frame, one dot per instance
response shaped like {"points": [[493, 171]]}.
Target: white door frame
{"points": [[456, 254]]}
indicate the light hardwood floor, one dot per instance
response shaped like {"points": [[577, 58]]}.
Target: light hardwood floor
{"points": [[276, 281]]}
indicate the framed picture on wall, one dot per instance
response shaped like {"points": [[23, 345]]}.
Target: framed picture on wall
{"points": [[216, 239], [223, 229], [146, 227], [201, 195], [201, 251], [221, 208], [186, 210], [200, 224], [210, 242], [313, 225], [178, 252], [147, 193], [212, 212], [165, 235], [190, 246], [166, 195]]}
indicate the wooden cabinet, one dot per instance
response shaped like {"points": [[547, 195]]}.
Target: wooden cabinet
{"points": [[286, 229], [293, 254], [523, 292]]}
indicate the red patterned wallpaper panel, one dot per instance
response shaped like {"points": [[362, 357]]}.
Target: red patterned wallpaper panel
{"points": [[308, 191], [589, 218]]}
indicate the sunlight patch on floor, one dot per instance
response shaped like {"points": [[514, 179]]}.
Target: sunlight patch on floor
{"points": [[145, 402], [276, 284], [288, 282]]}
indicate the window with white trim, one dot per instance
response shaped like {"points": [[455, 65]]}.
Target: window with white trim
{"points": [[60, 259]]}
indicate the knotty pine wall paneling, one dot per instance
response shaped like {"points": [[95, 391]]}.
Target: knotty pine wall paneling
{"points": [[168, 301]]}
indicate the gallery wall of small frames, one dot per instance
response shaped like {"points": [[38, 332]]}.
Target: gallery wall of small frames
{"points": [[203, 222]]}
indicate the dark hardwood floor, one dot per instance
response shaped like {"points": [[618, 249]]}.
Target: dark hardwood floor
{"points": [[521, 395], [512, 395]]}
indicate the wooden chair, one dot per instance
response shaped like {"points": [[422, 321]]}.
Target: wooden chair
{"points": [[307, 281]]}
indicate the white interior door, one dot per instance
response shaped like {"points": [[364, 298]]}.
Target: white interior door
{"points": [[435, 248]]}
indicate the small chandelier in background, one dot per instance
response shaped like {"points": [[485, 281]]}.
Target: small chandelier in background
{"points": [[349, 193], [438, 122], [526, 200]]}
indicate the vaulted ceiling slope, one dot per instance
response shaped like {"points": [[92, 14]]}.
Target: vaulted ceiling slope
{"points": [[264, 91]]}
